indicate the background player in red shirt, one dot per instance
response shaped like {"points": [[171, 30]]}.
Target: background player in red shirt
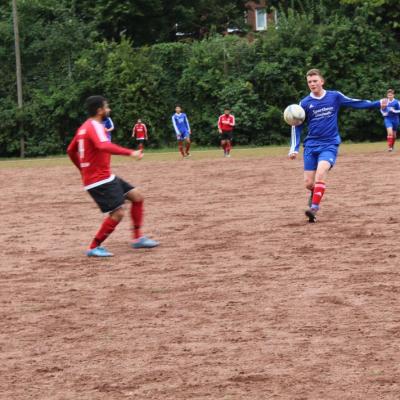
{"points": [[226, 123], [90, 150], [140, 132]]}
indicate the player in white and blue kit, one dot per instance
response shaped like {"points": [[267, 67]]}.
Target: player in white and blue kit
{"points": [[391, 118], [322, 141], [109, 126], [182, 131]]}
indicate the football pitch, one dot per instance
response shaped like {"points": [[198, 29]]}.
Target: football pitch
{"points": [[242, 300]]}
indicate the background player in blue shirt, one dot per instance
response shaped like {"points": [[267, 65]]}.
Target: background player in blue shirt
{"points": [[322, 141], [182, 130], [109, 126], [391, 118]]}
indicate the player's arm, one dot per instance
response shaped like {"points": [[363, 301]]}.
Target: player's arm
{"points": [[145, 131], [187, 124], [220, 124], [395, 109], [111, 128], [72, 152], [100, 141], [357, 103], [232, 124], [295, 138], [384, 111], [134, 131], [178, 134]]}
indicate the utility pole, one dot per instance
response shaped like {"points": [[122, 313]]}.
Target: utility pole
{"points": [[19, 77]]}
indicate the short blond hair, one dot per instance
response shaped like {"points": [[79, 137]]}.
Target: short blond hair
{"points": [[314, 71]]}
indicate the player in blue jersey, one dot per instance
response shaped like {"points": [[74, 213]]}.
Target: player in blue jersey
{"points": [[109, 126], [391, 118], [322, 141], [182, 131]]}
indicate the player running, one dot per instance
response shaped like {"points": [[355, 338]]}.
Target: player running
{"points": [[226, 123], [140, 132], [322, 142], [90, 150], [391, 118], [108, 125], [182, 130]]}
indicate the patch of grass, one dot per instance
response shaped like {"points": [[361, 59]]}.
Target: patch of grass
{"points": [[171, 154]]}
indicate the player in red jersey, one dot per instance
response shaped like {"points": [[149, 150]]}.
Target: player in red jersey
{"points": [[90, 150], [226, 123], [140, 132]]}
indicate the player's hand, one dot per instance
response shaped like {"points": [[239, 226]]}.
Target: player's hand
{"points": [[220, 131], [292, 156], [384, 103], [137, 154]]}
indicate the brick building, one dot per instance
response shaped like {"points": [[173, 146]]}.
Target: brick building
{"points": [[257, 16]]}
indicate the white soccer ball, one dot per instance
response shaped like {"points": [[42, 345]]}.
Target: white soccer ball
{"points": [[294, 115]]}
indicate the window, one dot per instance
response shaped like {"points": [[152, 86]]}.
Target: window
{"points": [[261, 19]]}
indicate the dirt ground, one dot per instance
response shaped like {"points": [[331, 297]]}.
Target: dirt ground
{"points": [[242, 300]]}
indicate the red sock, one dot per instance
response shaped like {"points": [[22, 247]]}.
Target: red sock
{"points": [[319, 190], [137, 218], [393, 140], [180, 147], [106, 229], [390, 141], [228, 147], [224, 147], [187, 147]]}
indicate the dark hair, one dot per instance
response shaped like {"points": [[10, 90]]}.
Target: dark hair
{"points": [[390, 91], [314, 71], [227, 109], [93, 103]]}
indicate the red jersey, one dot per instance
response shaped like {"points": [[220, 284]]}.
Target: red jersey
{"points": [[226, 122], [140, 131], [91, 152]]}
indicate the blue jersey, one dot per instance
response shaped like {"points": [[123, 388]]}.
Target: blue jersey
{"points": [[322, 118], [392, 110], [108, 124], [181, 124]]}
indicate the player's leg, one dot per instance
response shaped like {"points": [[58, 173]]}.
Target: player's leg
{"points": [[310, 159], [326, 160], [140, 146], [187, 149], [110, 199], [135, 196], [395, 128], [228, 146], [180, 147], [223, 145], [106, 229], [320, 183], [389, 136]]}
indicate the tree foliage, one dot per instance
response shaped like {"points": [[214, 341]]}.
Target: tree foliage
{"points": [[67, 56]]}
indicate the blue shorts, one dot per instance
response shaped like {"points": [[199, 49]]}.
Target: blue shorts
{"points": [[182, 136], [314, 154], [389, 123]]}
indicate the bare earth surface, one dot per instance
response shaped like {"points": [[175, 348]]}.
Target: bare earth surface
{"points": [[243, 299]]}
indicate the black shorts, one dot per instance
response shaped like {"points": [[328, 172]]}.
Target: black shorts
{"points": [[226, 136], [111, 195], [140, 140]]}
